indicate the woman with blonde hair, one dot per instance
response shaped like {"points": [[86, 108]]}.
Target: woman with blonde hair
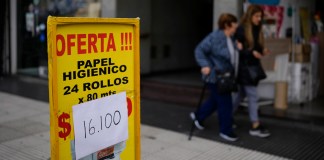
{"points": [[250, 35]]}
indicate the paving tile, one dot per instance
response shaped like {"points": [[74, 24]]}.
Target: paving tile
{"points": [[153, 157], [260, 156], [171, 137], [18, 155], [7, 134], [5, 97], [41, 118], [177, 153], [34, 128], [2, 113], [36, 152], [198, 144], [23, 103], [151, 146], [40, 106], [150, 130], [5, 150], [43, 135], [19, 123], [44, 148], [228, 152], [26, 126], [19, 115], [9, 107], [220, 151], [25, 142]]}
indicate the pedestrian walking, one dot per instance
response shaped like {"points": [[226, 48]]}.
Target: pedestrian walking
{"points": [[250, 34], [217, 56]]}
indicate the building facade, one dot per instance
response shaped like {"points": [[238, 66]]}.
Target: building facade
{"points": [[170, 30]]}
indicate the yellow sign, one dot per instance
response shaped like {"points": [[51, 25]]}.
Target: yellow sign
{"points": [[88, 59]]}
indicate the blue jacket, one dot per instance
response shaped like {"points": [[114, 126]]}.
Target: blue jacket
{"points": [[213, 52]]}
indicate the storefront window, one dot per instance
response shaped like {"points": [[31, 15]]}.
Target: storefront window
{"points": [[32, 31]]}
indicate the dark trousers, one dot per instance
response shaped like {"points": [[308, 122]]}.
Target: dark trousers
{"points": [[220, 102]]}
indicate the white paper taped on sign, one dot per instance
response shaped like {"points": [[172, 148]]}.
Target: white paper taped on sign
{"points": [[100, 123]]}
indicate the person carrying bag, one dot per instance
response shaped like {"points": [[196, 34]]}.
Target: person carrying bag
{"points": [[217, 56], [250, 34], [226, 81]]}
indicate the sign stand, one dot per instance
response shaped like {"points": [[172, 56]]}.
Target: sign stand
{"points": [[92, 61]]}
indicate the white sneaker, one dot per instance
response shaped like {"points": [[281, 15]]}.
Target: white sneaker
{"points": [[199, 125], [260, 131], [196, 122], [229, 137]]}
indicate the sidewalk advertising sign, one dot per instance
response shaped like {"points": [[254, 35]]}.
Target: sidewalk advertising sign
{"points": [[94, 88]]}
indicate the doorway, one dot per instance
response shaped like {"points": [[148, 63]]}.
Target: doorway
{"points": [[177, 27]]}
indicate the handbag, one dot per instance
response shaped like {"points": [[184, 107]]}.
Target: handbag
{"points": [[226, 83], [256, 73]]}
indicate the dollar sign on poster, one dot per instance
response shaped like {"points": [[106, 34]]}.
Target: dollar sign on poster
{"points": [[66, 127]]}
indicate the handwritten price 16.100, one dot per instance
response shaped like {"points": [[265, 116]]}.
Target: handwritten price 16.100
{"points": [[105, 122]]}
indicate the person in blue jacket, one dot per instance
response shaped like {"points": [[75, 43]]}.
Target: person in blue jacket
{"points": [[218, 51]]}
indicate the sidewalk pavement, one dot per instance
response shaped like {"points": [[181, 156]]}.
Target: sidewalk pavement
{"points": [[24, 135]]}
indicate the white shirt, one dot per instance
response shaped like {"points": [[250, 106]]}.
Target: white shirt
{"points": [[233, 53]]}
